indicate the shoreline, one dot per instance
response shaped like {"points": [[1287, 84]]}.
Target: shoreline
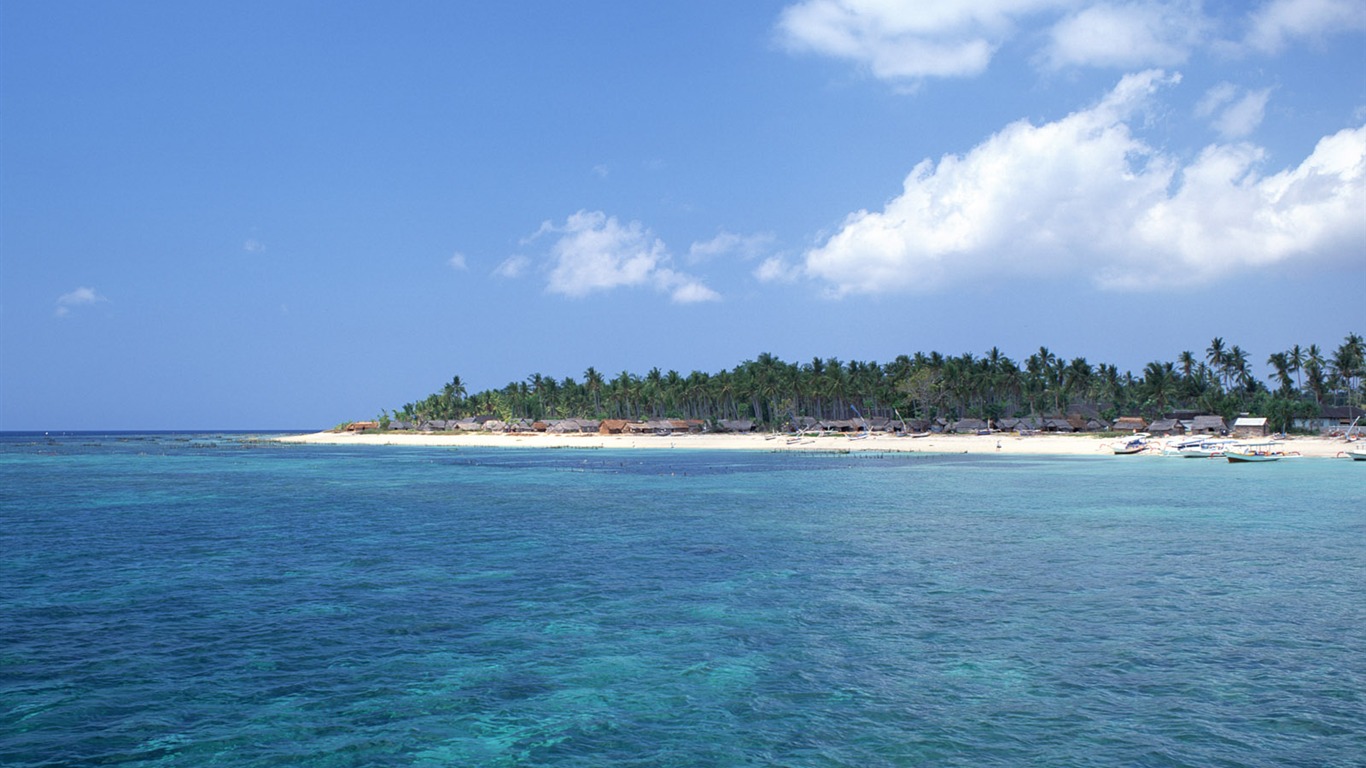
{"points": [[1005, 444]]}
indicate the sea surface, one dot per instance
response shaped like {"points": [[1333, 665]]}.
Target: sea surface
{"points": [[220, 600]]}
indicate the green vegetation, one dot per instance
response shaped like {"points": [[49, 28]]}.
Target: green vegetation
{"points": [[927, 386]]}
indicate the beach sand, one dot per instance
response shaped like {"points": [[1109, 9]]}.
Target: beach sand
{"points": [[1003, 443]]}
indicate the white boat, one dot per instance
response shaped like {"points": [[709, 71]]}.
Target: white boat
{"points": [[1198, 448], [1136, 444], [1243, 453]]}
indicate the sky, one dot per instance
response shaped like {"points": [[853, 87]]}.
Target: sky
{"points": [[259, 215]]}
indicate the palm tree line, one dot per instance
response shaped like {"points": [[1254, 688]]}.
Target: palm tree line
{"points": [[772, 392]]}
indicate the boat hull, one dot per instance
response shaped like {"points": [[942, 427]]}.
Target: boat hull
{"points": [[1248, 458]]}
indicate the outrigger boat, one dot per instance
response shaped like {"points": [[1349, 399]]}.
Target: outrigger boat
{"points": [[1251, 452], [1197, 448], [1136, 444]]}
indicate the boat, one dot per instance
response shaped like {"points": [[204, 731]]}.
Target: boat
{"points": [[1252, 452], [1242, 457], [1197, 448], [1136, 444]]}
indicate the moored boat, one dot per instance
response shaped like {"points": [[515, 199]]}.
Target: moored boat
{"points": [[1252, 452], [1136, 444], [1240, 457]]}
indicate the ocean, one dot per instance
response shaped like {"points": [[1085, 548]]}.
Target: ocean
{"points": [[220, 600]]}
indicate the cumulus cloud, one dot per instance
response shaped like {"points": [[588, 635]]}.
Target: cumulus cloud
{"points": [[77, 298], [1126, 35], [593, 252], [1084, 196], [457, 262], [1275, 24]]}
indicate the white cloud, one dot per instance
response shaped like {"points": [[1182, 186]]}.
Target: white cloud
{"points": [[512, 267], [907, 40], [1134, 34], [253, 245], [1277, 23], [776, 269], [1233, 117], [730, 244], [594, 252], [77, 298], [1084, 196], [457, 262]]}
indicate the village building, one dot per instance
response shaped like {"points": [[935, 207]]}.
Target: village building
{"points": [[1331, 419], [1250, 426], [735, 425], [1166, 427], [1207, 425], [1129, 424]]}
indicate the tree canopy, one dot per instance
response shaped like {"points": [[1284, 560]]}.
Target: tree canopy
{"points": [[772, 391]]}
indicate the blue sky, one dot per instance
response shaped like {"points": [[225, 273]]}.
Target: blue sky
{"points": [[255, 215]]}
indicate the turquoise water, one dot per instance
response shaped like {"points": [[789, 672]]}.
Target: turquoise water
{"points": [[216, 601]]}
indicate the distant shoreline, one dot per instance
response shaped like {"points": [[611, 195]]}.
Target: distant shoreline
{"points": [[1002, 444]]}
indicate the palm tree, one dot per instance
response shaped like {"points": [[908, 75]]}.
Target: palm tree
{"points": [[1216, 355], [1348, 362], [1314, 371], [1280, 361], [1158, 381], [592, 381], [1187, 361], [1296, 359]]}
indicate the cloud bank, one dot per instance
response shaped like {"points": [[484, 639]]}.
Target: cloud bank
{"points": [[1084, 196], [910, 40]]}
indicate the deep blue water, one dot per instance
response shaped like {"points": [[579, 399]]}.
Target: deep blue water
{"points": [[216, 601]]}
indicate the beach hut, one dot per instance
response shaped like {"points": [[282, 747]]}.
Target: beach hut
{"points": [[735, 425], [1207, 425], [968, 426], [361, 426], [1129, 424], [1165, 427], [1056, 425], [612, 426], [1250, 426]]}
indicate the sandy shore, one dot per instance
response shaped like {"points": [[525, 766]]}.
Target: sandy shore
{"points": [[1055, 445]]}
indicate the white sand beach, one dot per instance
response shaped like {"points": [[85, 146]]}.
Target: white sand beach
{"points": [[1003, 443]]}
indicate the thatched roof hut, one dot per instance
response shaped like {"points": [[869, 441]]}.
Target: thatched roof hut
{"points": [[735, 425], [1129, 424], [1165, 427], [1207, 425]]}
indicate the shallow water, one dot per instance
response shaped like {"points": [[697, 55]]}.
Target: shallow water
{"points": [[213, 600]]}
